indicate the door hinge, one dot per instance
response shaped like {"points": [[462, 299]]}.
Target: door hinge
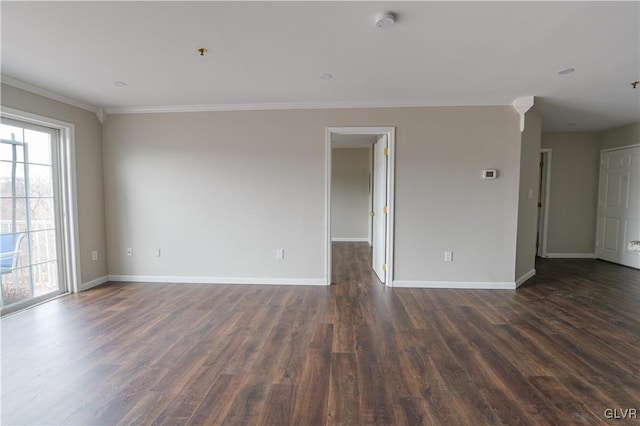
{"points": [[541, 164], [539, 204], [386, 152], [385, 210], [384, 267], [372, 214]]}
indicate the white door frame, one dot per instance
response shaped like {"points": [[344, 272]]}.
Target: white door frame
{"points": [[69, 228], [390, 132], [379, 205], [545, 202]]}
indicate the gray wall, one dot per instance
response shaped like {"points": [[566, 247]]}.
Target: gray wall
{"points": [[573, 192], [350, 194], [88, 141], [574, 185], [528, 195], [220, 191], [622, 136]]}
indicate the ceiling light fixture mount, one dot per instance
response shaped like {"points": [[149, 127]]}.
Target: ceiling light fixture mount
{"points": [[202, 50], [385, 20]]}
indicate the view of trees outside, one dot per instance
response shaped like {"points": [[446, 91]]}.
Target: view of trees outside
{"points": [[27, 208]]}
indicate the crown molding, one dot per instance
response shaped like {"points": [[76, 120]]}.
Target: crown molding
{"points": [[158, 109], [5, 79], [298, 105]]}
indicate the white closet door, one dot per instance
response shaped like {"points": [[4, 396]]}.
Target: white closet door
{"points": [[618, 220]]}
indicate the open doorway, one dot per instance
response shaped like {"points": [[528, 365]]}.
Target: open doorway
{"points": [[359, 193], [543, 202]]}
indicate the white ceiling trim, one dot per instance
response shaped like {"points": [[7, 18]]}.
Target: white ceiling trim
{"points": [[46, 93], [156, 109], [299, 105]]}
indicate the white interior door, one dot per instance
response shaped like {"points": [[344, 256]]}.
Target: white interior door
{"points": [[379, 208], [618, 219]]}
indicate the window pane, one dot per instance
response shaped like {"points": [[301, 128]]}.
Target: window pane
{"points": [[7, 209], [40, 181], [43, 246], [38, 147], [16, 286], [6, 152], [11, 133], [42, 212], [6, 180], [45, 278]]}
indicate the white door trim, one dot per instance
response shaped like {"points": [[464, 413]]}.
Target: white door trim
{"points": [[380, 201], [619, 148], [390, 132]]}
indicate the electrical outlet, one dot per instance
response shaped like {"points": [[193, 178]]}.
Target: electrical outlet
{"points": [[157, 252], [94, 255], [448, 256], [279, 253], [129, 252]]}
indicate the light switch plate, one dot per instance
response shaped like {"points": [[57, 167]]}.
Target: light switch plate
{"points": [[489, 174]]}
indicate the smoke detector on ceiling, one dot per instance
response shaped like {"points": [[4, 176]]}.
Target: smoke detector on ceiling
{"points": [[385, 20]]}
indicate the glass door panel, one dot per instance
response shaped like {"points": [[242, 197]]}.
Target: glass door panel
{"points": [[29, 214]]}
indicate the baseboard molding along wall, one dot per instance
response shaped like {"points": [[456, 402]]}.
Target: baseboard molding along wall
{"points": [[470, 285], [94, 283], [570, 255], [302, 281], [349, 240], [216, 280], [525, 277]]}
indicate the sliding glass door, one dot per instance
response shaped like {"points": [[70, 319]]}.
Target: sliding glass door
{"points": [[30, 214]]}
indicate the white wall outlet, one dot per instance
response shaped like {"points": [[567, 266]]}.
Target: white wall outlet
{"points": [[279, 253], [448, 256], [94, 255], [129, 251], [156, 252]]}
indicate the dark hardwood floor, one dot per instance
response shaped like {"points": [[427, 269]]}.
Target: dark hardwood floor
{"points": [[563, 349]]}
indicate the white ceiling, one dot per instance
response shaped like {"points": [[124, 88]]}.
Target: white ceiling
{"points": [[271, 54]]}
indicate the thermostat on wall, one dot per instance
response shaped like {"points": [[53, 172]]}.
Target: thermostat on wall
{"points": [[489, 174]]}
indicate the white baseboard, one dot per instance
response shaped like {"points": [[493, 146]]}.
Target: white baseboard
{"points": [[525, 277], [470, 285], [217, 280], [570, 255], [349, 240], [94, 283]]}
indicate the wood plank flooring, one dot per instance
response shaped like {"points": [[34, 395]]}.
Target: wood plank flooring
{"points": [[561, 350]]}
